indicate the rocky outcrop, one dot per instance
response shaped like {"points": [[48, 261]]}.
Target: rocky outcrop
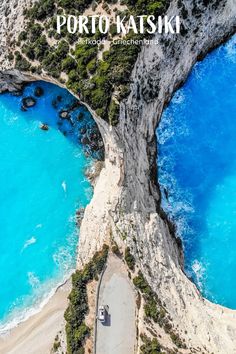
{"points": [[126, 200], [11, 23], [28, 102]]}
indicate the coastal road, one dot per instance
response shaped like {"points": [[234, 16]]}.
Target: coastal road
{"points": [[118, 334]]}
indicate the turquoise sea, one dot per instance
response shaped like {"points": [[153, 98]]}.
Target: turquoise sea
{"points": [[197, 172], [42, 184]]}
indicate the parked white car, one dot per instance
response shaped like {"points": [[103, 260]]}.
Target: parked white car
{"points": [[102, 313]]}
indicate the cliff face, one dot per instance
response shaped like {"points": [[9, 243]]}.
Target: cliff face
{"points": [[125, 205], [130, 208]]}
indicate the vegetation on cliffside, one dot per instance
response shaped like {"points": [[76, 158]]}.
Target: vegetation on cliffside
{"points": [[102, 83], [76, 329], [129, 258], [155, 311], [150, 346]]}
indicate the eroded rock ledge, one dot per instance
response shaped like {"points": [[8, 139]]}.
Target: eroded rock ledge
{"points": [[125, 205]]}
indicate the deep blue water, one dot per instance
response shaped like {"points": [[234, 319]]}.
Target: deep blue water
{"points": [[42, 184], [197, 172]]}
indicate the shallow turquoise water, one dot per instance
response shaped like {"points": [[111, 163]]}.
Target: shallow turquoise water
{"points": [[197, 172], [42, 183]]}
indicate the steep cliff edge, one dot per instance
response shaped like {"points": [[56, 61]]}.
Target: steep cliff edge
{"points": [[125, 205]]}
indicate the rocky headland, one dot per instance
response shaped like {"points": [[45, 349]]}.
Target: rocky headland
{"points": [[126, 204]]}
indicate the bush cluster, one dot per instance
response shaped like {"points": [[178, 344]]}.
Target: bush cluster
{"points": [[129, 258], [41, 10], [152, 307], [46, 8], [76, 329], [150, 7], [74, 6], [154, 310], [95, 80], [150, 346], [21, 63], [177, 340], [56, 344]]}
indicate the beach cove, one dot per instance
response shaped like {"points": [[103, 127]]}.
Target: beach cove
{"points": [[48, 140]]}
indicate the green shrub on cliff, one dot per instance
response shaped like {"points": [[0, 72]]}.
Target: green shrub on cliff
{"points": [[28, 51], [129, 258], [68, 64], [177, 340], [152, 308], [151, 311], [92, 66], [114, 110], [41, 10], [151, 7], [141, 283], [41, 48], [79, 5], [36, 31], [150, 346], [85, 52], [22, 36], [62, 50], [21, 63]]}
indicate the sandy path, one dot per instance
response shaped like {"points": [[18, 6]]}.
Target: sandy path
{"points": [[37, 334]]}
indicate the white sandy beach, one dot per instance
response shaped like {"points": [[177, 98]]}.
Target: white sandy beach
{"points": [[36, 335]]}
